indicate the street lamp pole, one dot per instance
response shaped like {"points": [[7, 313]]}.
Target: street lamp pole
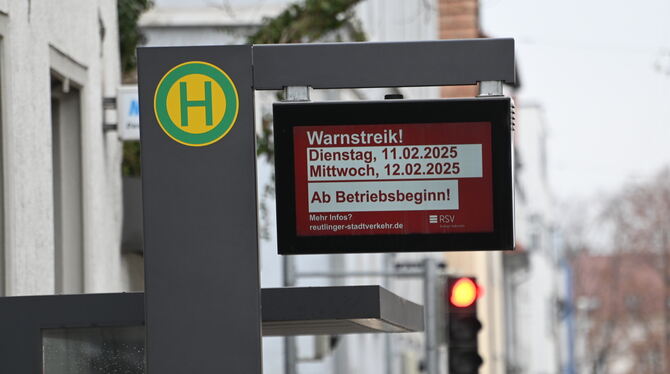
{"points": [[290, 349]]}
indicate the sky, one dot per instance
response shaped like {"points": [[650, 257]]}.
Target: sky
{"points": [[601, 72], [592, 66]]}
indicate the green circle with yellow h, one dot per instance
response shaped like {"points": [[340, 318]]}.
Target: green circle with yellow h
{"points": [[196, 103]]}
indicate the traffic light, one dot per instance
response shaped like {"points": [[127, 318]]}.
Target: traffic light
{"points": [[463, 325]]}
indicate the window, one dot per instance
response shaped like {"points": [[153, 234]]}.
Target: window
{"points": [[68, 222], [67, 79]]}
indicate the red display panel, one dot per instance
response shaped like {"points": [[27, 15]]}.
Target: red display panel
{"points": [[390, 179]]}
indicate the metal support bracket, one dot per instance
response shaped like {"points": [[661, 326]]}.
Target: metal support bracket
{"points": [[490, 88], [109, 121], [296, 93]]}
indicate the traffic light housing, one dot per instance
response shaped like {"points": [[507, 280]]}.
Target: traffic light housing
{"points": [[462, 325]]}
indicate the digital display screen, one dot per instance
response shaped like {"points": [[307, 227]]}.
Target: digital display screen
{"points": [[421, 178], [394, 176]]}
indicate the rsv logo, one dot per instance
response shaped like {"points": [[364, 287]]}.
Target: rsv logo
{"points": [[441, 218]]}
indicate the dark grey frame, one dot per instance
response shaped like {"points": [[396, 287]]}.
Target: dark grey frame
{"points": [[23, 318], [394, 64], [288, 311]]}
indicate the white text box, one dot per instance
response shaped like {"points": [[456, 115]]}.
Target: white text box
{"points": [[394, 162], [383, 196]]}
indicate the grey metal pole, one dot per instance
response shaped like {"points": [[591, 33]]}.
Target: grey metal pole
{"points": [[430, 275], [201, 248], [292, 93], [290, 348], [388, 266]]}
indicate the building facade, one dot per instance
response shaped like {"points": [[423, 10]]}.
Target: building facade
{"points": [[61, 187], [533, 277]]}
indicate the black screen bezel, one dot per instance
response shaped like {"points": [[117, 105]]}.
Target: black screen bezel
{"points": [[497, 111]]}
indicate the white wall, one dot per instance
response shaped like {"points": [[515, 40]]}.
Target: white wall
{"points": [[401, 20], [203, 25], [39, 32]]}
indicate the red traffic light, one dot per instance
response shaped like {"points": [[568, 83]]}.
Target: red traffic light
{"points": [[464, 293]]}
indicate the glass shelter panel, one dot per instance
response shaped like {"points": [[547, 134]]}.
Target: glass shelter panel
{"points": [[98, 350]]}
